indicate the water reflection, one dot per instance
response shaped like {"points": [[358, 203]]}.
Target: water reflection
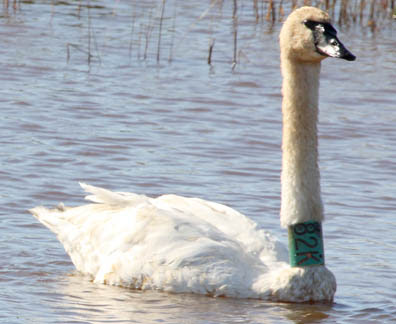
{"points": [[82, 301]]}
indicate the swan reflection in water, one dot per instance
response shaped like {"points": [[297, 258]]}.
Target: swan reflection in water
{"points": [[85, 302]]}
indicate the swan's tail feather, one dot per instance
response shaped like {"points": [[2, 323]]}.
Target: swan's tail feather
{"points": [[104, 196], [60, 217], [51, 218]]}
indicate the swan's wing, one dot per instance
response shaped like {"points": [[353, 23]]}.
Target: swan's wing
{"points": [[104, 196], [170, 243], [230, 222]]}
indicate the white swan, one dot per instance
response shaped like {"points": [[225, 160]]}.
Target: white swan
{"points": [[179, 244]]}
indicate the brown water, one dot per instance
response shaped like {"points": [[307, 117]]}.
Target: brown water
{"points": [[127, 123]]}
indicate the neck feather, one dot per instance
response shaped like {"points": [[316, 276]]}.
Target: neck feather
{"points": [[301, 200]]}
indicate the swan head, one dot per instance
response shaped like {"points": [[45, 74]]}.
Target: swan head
{"points": [[308, 36]]}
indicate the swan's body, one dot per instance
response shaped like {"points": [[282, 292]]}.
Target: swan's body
{"points": [[170, 243], [180, 244]]}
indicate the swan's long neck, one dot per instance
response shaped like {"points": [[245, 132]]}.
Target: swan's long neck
{"points": [[301, 199]]}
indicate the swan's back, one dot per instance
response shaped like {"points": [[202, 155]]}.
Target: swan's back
{"points": [[170, 243]]}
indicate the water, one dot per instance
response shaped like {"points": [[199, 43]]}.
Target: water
{"points": [[128, 123]]}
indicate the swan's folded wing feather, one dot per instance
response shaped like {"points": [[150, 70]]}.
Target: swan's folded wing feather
{"points": [[104, 196]]}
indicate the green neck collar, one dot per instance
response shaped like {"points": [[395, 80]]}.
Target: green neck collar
{"points": [[306, 244]]}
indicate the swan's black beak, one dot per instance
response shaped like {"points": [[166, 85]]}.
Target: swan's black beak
{"points": [[326, 41]]}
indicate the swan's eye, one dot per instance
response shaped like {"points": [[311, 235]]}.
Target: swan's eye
{"points": [[333, 42]]}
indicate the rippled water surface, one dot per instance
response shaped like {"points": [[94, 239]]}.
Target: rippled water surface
{"points": [[125, 121]]}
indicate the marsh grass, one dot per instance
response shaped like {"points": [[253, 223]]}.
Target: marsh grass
{"points": [[155, 33], [369, 15]]}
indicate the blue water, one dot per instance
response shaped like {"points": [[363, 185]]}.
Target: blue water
{"points": [[126, 122]]}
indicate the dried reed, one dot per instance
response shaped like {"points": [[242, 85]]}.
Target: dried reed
{"points": [[370, 15], [160, 31]]}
